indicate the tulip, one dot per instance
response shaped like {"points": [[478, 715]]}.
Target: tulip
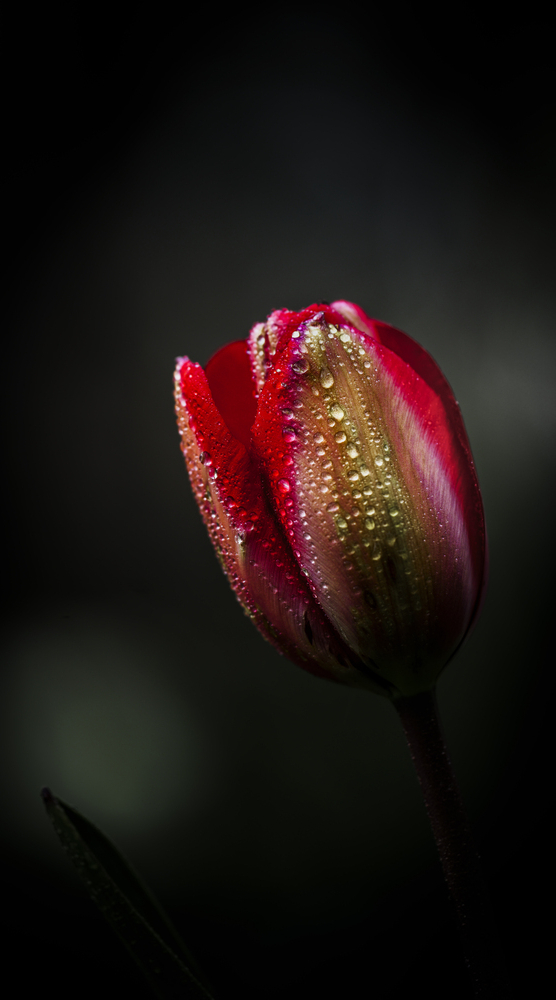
{"points": [[331, 465]]}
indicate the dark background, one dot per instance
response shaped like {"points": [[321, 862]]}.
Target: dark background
{"points": [[169, 184]]}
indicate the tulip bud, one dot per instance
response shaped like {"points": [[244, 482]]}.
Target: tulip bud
{"points": [[330, 462]]}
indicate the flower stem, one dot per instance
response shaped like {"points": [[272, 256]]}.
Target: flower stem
{"points": [[459, 859]]}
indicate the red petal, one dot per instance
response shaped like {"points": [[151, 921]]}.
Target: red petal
{"points": [[258, 560], [447, 426], [440, 410], [301, 454], [232, 388]]}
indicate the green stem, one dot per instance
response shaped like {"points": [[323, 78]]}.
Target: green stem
{"points": [[459, 859]]}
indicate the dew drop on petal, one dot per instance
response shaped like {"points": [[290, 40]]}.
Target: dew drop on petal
{"points": [[288, 414], [342, 524], [369, 523], [332, 508], [379, 462], [301, 366], [345, 338], [284, 485], [289, 434], [326, 378], [377, 551], [337, 412], [340, 437], [318, 438], [364, 470], [352, 451], [353, 476]]}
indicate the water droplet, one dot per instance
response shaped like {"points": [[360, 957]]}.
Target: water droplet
{"points": [[345, 338], [364, 470], [341, 523], [284, 485], [332, 508], [205, 458], [352, 451], [337, 412], [369, 523], [320, 452], [340, 437], [301, 366], [248, 526], [326, 378], [318, 438], [324, 489], [288, 434], [353, 476], [377, 552], [288, 414], [391, 538], [379, 462], [327, 465], [394, 512]]}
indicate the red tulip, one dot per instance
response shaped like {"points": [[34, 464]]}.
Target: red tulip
{"points": [[332, 468]]}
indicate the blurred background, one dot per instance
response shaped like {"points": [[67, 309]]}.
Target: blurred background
{"points": [[169, 184]]}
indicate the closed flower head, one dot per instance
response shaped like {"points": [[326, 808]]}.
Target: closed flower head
{"points": [[330, 462]]}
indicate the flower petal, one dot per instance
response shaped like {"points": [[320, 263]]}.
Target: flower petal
{"points": [[377, 518], [445, 425], [253, 548], [231, 385]]}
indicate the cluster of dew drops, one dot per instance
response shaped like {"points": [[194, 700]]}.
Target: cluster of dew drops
{"points": [[363, 500]]}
